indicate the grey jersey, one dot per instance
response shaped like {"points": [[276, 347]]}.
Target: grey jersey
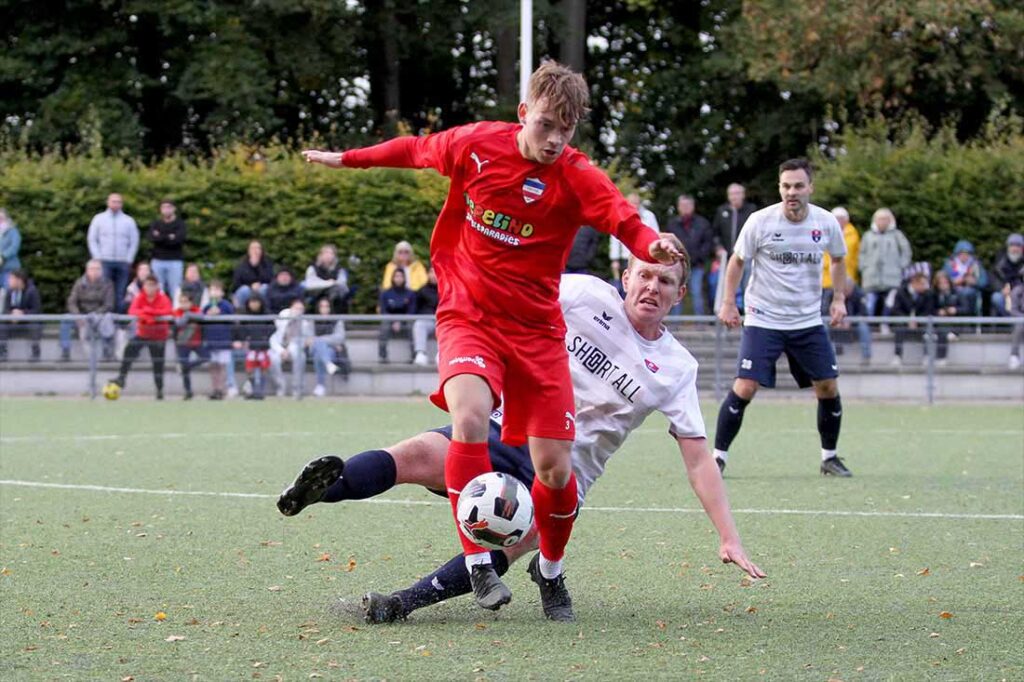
{"points": [[784, 291]]}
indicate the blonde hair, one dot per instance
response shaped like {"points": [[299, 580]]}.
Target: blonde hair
{"points": [[565, 91], [403, 246]]}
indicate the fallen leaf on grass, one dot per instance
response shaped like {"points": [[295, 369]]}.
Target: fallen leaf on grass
{"points": [[351, 566], [7, 571], [324, 557], [258, 664], [480, 626], [275, 588], [934, 635], [174, 638], [350, 628], [160, 616], [132, 621], [977, 564], [270, 543], [961, 651], [751, 609], [946, 615], [660, 624], [127, 678], [924, 572], [325, 640]]}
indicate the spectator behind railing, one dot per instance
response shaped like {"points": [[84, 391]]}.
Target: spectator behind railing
{"points": [[694, 231], [218, 341], [10, 246], [884, 254], [425, 304], [93, 295], [852, 238], [289, 341], [282, 291], [114, 240], [150, 332], [946, 302], [1016, 307], [397, 299], [167, 234], [252, 274], [194, 286], [328, 348], [968, 277], [253, 337], [916, 299], [188, 340], [1007, 274], [404, 258], [20, 298], [325, 278]]}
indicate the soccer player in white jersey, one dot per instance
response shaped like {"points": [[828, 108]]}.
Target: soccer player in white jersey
{"points": [[785, 244], [624, 366]]}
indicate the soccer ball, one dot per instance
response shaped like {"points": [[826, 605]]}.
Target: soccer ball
{"points": [[495, 510], [111, 391]]}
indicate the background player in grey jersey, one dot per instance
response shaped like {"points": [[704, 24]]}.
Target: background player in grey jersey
{"points": [[642, 347], [785, 244]]}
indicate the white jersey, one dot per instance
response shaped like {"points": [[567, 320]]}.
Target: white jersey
{"points": [[784, 291], [619, 377]]}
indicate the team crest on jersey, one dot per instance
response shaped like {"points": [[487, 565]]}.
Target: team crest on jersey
{"points": [[533, 189], [816, 236], [651, 366]]}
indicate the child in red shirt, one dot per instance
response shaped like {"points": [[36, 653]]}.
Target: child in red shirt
{"points": [[517, 196], [151, 332]]}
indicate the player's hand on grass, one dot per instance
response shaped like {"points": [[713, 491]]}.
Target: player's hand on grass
{"points": [[329, 159], [838, 311], [729, 314], [732, 553], [667, 249]]}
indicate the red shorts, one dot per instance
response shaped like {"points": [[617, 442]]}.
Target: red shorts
{"points": [[256, 359], [529, 372]]}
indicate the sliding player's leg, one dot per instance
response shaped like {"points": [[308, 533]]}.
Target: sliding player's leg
{"points": [[418, 460]]}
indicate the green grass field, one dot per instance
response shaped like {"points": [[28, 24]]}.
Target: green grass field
{"points": [[910, 570]]}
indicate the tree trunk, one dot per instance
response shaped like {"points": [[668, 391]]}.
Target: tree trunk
{"points": [[574, 44], [508, 52]]}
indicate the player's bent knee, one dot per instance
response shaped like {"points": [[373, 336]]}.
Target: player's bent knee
{"points": [[829, 388], [745, 388], [554, 475]]}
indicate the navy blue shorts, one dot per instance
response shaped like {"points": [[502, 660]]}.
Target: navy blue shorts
{"points": [[504, 458], [809, 352]]}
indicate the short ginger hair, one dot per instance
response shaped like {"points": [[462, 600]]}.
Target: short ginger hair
{"points": [[565, 90]]}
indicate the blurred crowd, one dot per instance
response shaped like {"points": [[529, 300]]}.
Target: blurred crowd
{"points": [[169, 298]]}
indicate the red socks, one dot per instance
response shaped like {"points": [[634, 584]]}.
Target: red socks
{"points": [[466, 461], [554, 512]]}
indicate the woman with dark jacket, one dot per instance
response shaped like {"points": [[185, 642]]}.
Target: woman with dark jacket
{"points": [[252, 274]]}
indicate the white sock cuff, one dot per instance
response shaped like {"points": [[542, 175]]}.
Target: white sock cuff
{"points": [[550, 569], [478, 559], [722, 455], [827, 454]]}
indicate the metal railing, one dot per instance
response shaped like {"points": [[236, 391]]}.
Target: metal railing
{"points": [[722, 356]]}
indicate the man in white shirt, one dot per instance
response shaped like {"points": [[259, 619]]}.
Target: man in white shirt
{"points": [[624, 366], [785, 244]]}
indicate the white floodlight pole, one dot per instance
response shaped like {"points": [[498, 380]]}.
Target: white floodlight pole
{"points": [[525, 46]]}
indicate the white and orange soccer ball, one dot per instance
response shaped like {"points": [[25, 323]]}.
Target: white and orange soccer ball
{"points": [[495, 510]]}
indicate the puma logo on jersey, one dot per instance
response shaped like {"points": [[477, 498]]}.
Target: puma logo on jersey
{"points": [[478, 162], [570, 420]]}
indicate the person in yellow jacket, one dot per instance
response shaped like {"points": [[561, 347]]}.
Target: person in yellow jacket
{"points": [[852, 238], [405, 259]]}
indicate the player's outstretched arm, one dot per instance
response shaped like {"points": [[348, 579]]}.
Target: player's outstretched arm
{"points": [[329, 159], [706, 482]]}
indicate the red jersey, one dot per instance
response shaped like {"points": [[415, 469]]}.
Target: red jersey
{"points": [[148, 327], [501, 241]]}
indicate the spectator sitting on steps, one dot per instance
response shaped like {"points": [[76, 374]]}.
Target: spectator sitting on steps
{"points": [[968, 277], [426, 304], [194, 286], [397, 299], [282, 291], [252, 274], [93, 295], [404, 259], [328, 348], [325, 278], [20, 298], [916, 299], [1007, 274]]}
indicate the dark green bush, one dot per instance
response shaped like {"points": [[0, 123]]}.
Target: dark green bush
{"points": [[940, 190], [291, 207]]}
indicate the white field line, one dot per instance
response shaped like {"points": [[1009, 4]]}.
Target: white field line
{"points": [[425, 503], [39, 437]]}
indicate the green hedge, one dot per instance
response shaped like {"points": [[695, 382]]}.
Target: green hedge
{"points": [[291, 207], [940, 190]]}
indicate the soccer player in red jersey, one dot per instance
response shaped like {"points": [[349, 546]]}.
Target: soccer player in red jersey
{"points": [[518, 193]]}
